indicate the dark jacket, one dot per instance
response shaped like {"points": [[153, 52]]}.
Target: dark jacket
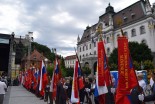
{"points": [[61, 95], [152, 96]]}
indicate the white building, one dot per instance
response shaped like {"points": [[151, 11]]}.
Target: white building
{"points": [[70, 61], [137, 22]]}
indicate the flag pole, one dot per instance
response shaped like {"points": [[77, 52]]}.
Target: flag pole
{"points": [[78, 59]]}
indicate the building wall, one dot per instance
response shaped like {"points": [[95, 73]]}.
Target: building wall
{"points": [[70, 63], [148, 21]]}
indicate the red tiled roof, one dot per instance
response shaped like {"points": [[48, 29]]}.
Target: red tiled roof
{"points": [[70, 57]]}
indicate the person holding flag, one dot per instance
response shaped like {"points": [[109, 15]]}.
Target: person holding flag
{"points": [[128, 87], [74, 92], [43, 79], [55, 79]]}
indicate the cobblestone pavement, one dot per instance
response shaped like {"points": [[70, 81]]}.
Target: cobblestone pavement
{"points": [[19, 95]]}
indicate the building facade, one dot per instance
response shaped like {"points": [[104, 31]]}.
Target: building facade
{"points": [[137, 22], [70, 61]]}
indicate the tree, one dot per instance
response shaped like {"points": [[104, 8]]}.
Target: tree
{"points": [[139, 54], [43, 49]]}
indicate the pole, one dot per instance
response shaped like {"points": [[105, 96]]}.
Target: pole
{"points": [[10, 54]]}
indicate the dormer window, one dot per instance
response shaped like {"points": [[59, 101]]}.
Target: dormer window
{"points": [[133, 15], [125, 19]]}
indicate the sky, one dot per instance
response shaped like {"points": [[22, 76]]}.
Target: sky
{"points": [[54, 23]]}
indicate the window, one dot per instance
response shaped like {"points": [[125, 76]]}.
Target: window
{"points": [[86, 47], [108, 51], [80, 57], [86, 54], [144, 41], [108, 40], [118, 35], [83, 48], [80, 49], [94, 52], [142, 30], [125, 19], [133, 32], [90, 46], [83, 55], [126, 34], [94, 44], [132, 15]]}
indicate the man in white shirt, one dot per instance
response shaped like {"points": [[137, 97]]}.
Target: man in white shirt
{"points": [[141, 81], [3, 89]]}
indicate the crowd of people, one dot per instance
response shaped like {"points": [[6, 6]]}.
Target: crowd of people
{"points": [[144, 93], [140, 94]]}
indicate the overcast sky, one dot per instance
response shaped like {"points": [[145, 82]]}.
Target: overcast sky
{"points": [[54, 23]]}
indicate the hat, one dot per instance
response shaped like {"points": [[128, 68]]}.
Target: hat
{"points": [[140, 75]]}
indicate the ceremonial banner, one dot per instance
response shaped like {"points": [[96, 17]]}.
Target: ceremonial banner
{"points": [[75, 89], [43, 79], [127, 77], [101, 87], [55, 79]]}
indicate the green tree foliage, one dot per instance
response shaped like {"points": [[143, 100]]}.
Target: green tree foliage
{"points": [[69, 72], [62, 67], [140, 53], [86, 71], [43, 49], [50, 69]]}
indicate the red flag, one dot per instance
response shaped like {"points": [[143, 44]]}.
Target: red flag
{"points": [[75, 89], [55, 78], [127, 77], [103, 69], [43, 79]]}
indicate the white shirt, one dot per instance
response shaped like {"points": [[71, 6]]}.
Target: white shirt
{"points": [[2, 87], [142, 84], [151, 81]]}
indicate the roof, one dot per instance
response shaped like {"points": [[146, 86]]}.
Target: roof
{"points": [[128, 15], [70, 57], [35, 56]]}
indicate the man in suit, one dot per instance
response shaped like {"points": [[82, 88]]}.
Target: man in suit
{"points": [[149, 97]]}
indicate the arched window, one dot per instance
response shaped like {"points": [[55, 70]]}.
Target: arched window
{"points": [[108, 51], [118, 35], [108, 40], [133, 32], [90, 46], [126, 34], [95, 44], [144, 41], [94, 52], [142, 30], [83, 48], [86, 47]]}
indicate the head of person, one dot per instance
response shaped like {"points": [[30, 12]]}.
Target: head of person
{"points": [[140, 76], [153, 76]]}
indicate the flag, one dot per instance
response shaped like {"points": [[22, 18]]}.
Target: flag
{"points": [[55, 78], [43, 79], [75, 89], [101, 87], [127, 78]]}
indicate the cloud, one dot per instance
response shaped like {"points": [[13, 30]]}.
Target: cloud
{"points": [[54, 23]]}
